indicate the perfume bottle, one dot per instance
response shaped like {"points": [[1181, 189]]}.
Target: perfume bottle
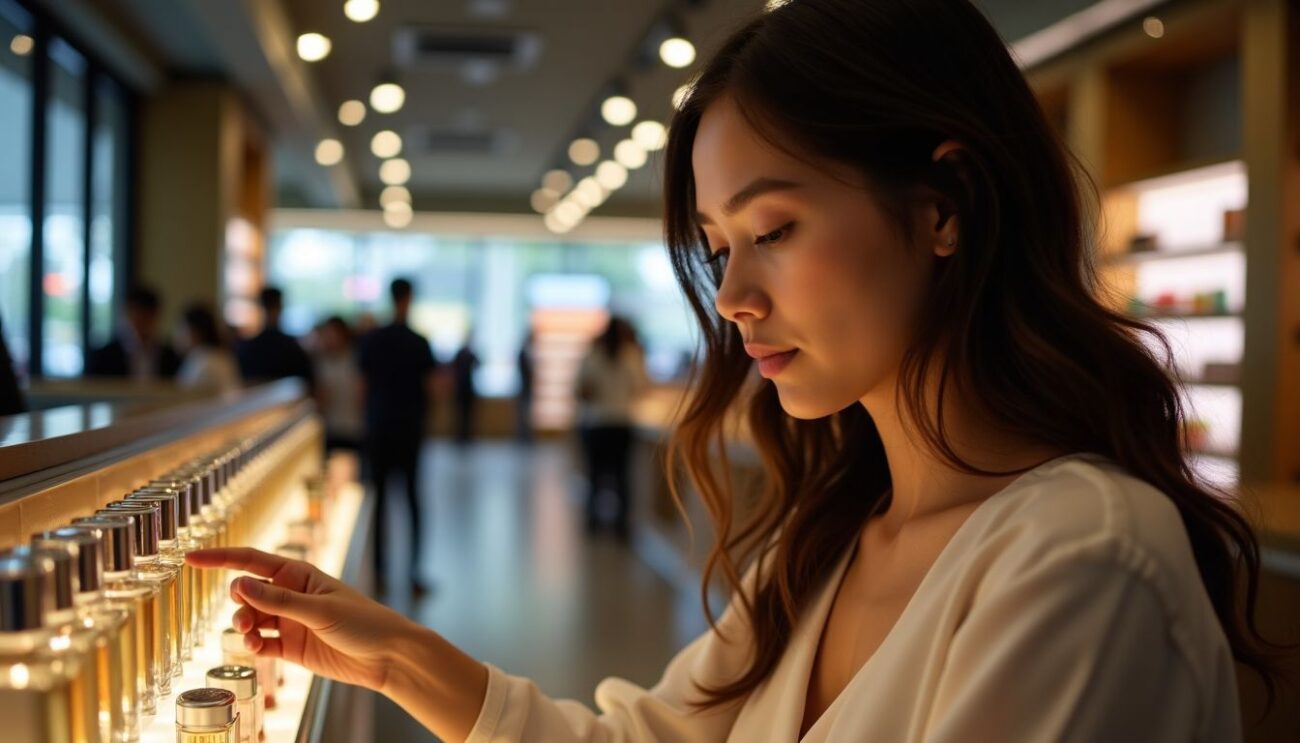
{"points": [[172, 553], [191, 534], [147, 567], [139, 598], [47, 690], [207, 716], [115, 663], [234, 653], [243, 681]]}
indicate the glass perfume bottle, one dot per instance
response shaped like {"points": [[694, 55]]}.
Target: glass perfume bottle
{"points": [[207, 716], [116, 663], [234, 653], [244, 682], [47, 690], [147, 567], [172, 553], [191, 534], [139, 598]]}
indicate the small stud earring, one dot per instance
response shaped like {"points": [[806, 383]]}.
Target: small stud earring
{"points": [[952, 242]]}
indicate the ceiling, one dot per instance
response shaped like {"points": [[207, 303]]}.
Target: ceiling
{"points": [[531, 114]]}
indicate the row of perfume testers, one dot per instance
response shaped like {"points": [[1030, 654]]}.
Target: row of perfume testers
{"points": [[99, 616]]}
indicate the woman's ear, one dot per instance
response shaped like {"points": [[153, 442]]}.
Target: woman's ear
{"points": [[946, 228]]}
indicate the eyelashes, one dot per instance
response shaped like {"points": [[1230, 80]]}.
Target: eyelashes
{"points": [[775, 236]]}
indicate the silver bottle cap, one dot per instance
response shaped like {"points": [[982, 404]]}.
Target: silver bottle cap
{"points": [[181, 489], [205, 708], [241, 680], [20, 594], [168, 500], [148, 523], [117, 531], [87, 549], [56, 568]]}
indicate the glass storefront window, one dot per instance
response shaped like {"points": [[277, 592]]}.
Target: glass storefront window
{"points": [[64, 228], [109, 189], [475, 289], [17, 49]]}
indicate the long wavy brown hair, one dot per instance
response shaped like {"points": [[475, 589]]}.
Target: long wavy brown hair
{"points": [[1014, 316]]}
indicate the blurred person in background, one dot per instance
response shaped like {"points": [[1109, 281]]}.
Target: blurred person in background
{"points": [[463, 366], [524, 402], [136, 351], [209, 363], [397, 374], [338, 384], [12, 400], [611, 377], [273, 354]]}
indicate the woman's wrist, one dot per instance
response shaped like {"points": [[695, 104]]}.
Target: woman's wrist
{"points": [[435, 682]]}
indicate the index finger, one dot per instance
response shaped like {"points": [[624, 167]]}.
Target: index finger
{"points": [[249, 560]]}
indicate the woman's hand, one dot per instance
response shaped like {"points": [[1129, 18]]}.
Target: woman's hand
{"points": [[324, 625], [339, 633]]}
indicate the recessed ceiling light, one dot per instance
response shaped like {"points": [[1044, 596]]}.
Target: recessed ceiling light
{"points": [[584, 151], [651, 135], [629, 154], [352, 113], [618, 110], [386, 144], [677, 52], [557, 180], [394, 193], [361, 10], [313, 47], [397, 218], [1154, 27], [329, 152], [610, 175], [543, 199], [22, 45], [395, 172], [387, 98]]}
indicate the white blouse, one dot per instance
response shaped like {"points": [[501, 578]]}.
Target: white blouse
{"points": [[1067, 607]]}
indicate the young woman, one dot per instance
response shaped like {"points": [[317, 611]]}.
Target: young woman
{"points": [[209, 363], [979, 524]]}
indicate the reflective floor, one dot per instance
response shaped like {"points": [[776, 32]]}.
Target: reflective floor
{"points": [[518, 583]]}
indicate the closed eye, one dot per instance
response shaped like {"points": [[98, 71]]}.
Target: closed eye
{"points": [[717, 256], [776, 235]]}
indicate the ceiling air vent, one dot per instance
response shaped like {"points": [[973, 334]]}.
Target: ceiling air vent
{"points": [[438, 46]]}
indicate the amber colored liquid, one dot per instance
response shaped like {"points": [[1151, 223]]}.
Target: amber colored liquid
{"points": [[83, 703], [142, 603], [123, 687]]}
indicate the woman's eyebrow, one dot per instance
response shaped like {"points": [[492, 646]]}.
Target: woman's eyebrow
{"points": [[756, 188]]}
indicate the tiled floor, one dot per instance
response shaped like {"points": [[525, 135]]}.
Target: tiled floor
{"points": [[518, 583]]}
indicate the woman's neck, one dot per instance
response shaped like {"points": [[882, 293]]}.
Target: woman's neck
{"points": [[926, 483]]}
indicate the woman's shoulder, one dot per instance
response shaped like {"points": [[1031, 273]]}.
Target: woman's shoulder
{"points": [[1088, 512]]}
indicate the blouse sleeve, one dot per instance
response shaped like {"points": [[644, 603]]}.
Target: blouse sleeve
{"points": [[515, 709], [1072, 650]]}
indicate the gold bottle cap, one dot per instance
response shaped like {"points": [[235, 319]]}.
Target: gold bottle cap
{"points": [[148, 523], [242, 680], [205, 708], [232, 641]]}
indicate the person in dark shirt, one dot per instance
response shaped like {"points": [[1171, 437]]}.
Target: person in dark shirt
{"points": [[136, 351], [12, 400], [463, 367], [397, 371], [271, 354]]}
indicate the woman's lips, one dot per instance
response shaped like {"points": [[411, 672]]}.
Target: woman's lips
{"points": [[771, 361]]}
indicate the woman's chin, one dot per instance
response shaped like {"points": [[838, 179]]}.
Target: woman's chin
{"points": [[805, 404]]}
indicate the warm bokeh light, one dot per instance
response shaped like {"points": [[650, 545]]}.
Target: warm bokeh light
{"points": [[610, 175], [361, 11], [651, 135], [329, 152], [618, 110], [313, 47], [386, 144], [393, 194], [557, 180], [395, 172], [584, 151], [387, 98], [629, 154], [352, 113], [677, 52]]}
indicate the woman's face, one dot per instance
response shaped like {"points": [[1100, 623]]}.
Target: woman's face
{"points": [[821, 283]]}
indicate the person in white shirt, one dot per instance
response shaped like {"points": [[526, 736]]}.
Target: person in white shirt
{"points": [[611, 377], [977, 522], [338, 384], [208, 362]]}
